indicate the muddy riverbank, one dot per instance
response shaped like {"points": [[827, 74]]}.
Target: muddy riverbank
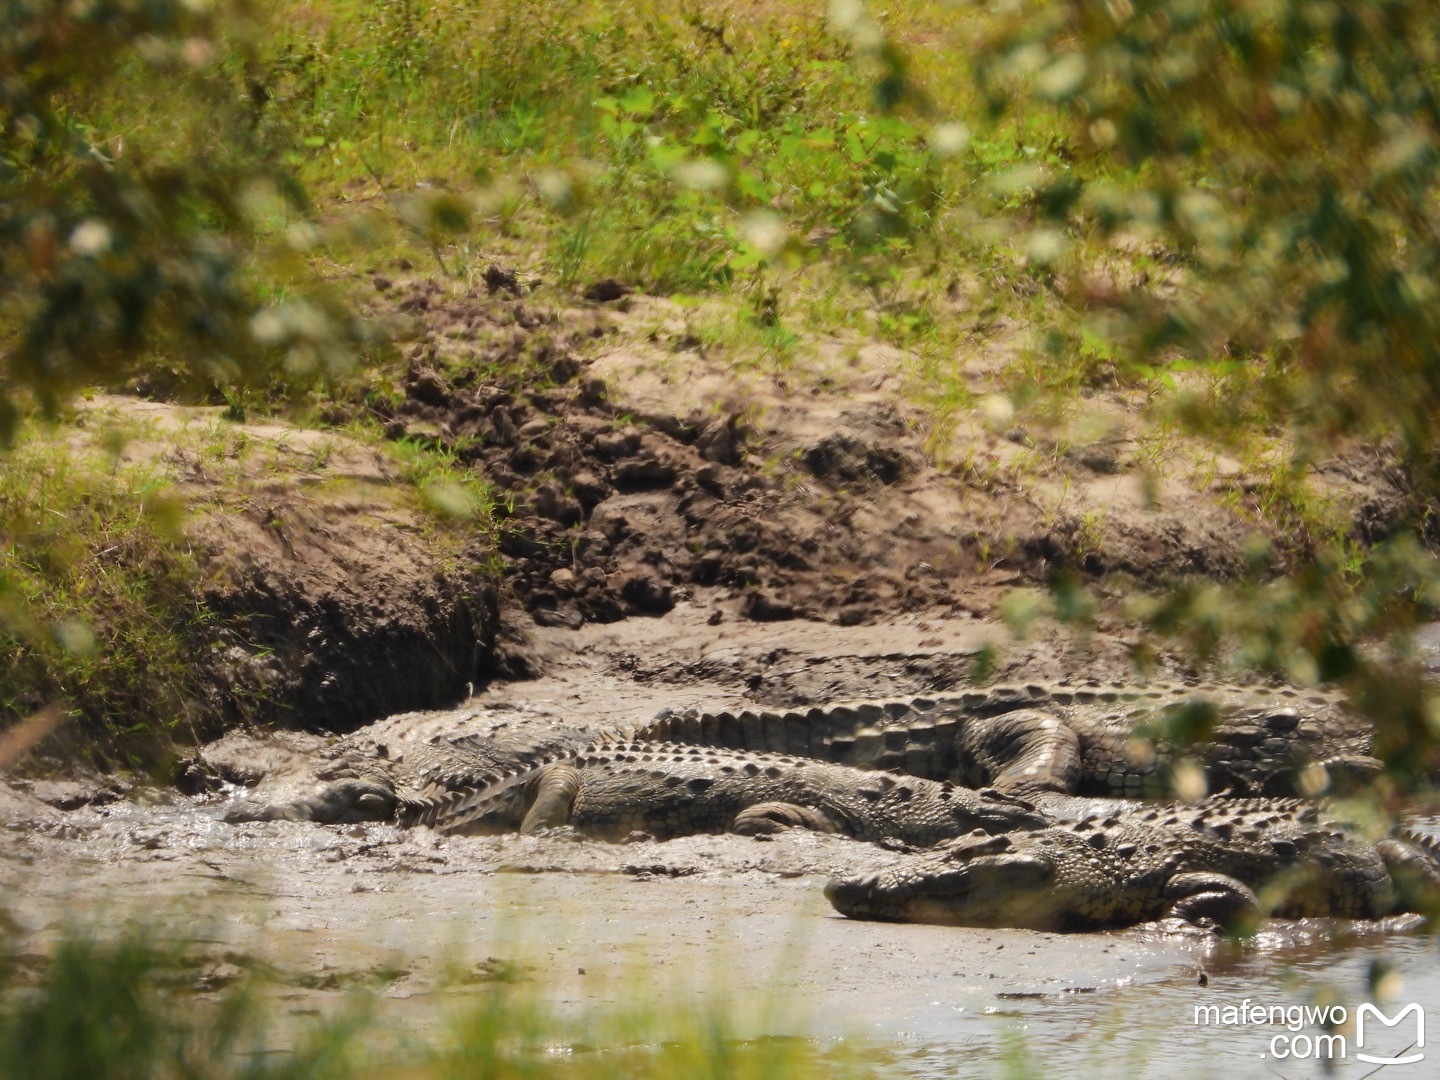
{"points": [[672, 528], [426, 922]]}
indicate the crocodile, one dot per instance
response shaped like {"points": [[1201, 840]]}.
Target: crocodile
{"points": [[1088, 738], [613, 789], [1226, 862], [390, 769]]}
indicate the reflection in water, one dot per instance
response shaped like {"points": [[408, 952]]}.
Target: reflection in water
{"points": [[1152, 1030], [1299, 974], [940, 1002]]}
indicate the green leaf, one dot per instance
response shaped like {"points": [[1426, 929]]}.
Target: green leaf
{"points": [[639, 101]]}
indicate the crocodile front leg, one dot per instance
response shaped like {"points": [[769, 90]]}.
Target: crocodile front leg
{"points": [[1218, 899], [768, 818], [556, 787], [1023, 752]]}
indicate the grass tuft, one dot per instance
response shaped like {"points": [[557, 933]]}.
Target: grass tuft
{"points": [[98, 593]]}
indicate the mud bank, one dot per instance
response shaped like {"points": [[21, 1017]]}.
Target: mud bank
{"points": [[634, 472], [425, 923]]}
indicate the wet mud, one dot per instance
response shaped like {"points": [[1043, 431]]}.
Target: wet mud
{"points": [[676, 528], [426, 922]]}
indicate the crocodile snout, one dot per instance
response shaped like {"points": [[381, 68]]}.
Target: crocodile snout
{"points": [[852, 897], [959, 888]]}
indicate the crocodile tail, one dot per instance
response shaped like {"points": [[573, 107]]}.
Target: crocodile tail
{"points": [[848, 734], [459, 795], [1413, 860], [499, 800], [859, 733], [420, 809], [1430, 845]]}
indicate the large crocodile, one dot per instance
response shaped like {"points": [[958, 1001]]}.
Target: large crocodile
{"points": [[1226, 861], [396, 767], [1087, 737], [613, 789]]}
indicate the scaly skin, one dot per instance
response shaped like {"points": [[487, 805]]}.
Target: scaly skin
{"points": [[1080, 738], [402, 765], [1084, 738], [1228, 862], [613, 789]]}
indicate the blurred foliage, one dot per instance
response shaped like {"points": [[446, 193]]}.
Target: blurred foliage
{"points": [[130, 1007], [116, 245], [99, 604], [1281, 164], [1284, 157]]}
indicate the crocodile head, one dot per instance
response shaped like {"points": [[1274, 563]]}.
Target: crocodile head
{"points": [[978, 880], [331, 802]]}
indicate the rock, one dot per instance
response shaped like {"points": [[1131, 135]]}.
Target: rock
{"points": [[501, 279], [616, 444], [646, 593], [607, 291], [549, 502], [566, 618], [706, 569], [564, 368], [760, 606], [502, 427], [710, 476], [719, 441], [73, 794], [644, 474], [592, 391], [428, 388], [589, 489], [848, 459], [534, 429]]}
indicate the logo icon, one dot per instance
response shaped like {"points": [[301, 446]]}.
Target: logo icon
{"points": [[1388, 1021]]}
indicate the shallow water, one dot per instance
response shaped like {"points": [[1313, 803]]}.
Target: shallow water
{"points": [[425, 920], [591, 926]]}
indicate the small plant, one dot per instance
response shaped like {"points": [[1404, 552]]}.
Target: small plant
{"points": [[98, 597], [131, 1008]]}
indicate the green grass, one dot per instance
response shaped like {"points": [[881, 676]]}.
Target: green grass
{"points": [[129, 1008], [740, 154], [98, 592]]}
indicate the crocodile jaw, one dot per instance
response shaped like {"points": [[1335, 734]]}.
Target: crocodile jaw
{"points": [[1004, 890]]}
